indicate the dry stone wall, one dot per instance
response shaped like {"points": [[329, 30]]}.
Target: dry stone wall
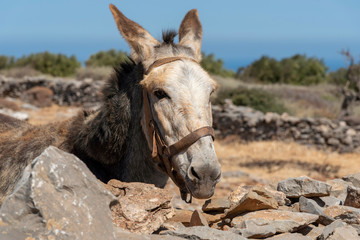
{"points": [[244, 123], [65, 91], [250, 125]]}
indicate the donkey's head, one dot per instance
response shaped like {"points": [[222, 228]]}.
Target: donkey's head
{"points": [[178, 94]]}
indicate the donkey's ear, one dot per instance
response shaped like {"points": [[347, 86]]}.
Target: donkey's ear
{"points": [[190, 32], [141, 42]]}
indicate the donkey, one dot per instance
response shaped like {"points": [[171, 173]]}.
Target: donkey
{"points": [[154, 122]]}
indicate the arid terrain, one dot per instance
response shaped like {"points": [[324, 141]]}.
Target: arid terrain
{"points": [[264, 162]]}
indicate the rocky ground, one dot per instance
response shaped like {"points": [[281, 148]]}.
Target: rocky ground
{"points": [[59, 198]]}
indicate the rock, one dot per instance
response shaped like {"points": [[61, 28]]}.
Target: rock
{"points": [[198, 219], [344, 233], [310, 206], [236, 195], [57, 197], [142, 208], [311, 231], [353, 178], [256, 229], [339, 188], [213, 218], [347, 214], [256, 199], [303, 186], [328, 230], [353, 197], [202, 232], [216, 205], [265, 222], [279, 196], [333, 141], [38, 96], [289, 236], [330, 201], [181, 216]]}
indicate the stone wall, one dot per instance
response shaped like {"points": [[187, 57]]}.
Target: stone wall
{"points": [[66, 91], [229, 120], [251, 125]]}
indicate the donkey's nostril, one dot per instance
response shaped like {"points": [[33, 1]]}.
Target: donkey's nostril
{"points": [[194, 173]]}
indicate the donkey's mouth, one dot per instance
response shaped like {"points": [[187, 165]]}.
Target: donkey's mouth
{"points": [[201, 190]]}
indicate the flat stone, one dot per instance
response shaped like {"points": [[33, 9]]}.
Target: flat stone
{"points": [[279, 196], [216, 205], [290, 236], [339, 188], [331, 201], [181, 216], [353, 197], [198, 219], [57, 197], [142, 208], [311, 231], [213, 218], [347, 214], [202, 232], [272, 221], [256, 199], [344, 233], [236, 195], [353, 178], [256, 229], [303, 186], [328, 230], [310, 206]]}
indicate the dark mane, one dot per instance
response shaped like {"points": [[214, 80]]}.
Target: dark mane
{"points": [[120, 80], [168, 36]]}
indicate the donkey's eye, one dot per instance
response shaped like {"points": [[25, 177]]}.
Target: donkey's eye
{"points": [[160, 94]]}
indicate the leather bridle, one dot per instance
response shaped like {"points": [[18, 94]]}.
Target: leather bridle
{"points": [[161, 153]]}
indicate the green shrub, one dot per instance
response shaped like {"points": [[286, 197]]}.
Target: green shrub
{"points": [[298, 69], [49, 63], [6, 62], [254, 98], [109, 58], [215, 66]]}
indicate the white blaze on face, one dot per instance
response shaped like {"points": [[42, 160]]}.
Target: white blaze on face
{"points": [[187, 106], [185, 109]]}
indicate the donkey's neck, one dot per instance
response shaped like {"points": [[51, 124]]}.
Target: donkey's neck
{"points": [[111, 141]]}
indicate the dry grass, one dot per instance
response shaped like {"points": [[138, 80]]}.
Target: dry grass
{"points": [[20, 72], [321, 100], [95, 73], [278, 160], [51, 114]]}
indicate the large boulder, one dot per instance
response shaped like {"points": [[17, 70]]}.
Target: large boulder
{"points": [[58, 197], [303, 186]]}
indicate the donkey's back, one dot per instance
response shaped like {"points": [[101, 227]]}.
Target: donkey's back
{"points": [[20, 143]]}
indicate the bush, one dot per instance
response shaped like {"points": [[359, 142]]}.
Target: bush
{"points": [[215, 66], [54, 64], [109, 58], [6, 62], [298, 69], [254, 98]]}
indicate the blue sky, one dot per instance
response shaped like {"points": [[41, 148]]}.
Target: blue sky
{"points": [[237, 31]]}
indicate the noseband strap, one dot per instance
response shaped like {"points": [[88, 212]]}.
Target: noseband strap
{"points": [[161, 153]]}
